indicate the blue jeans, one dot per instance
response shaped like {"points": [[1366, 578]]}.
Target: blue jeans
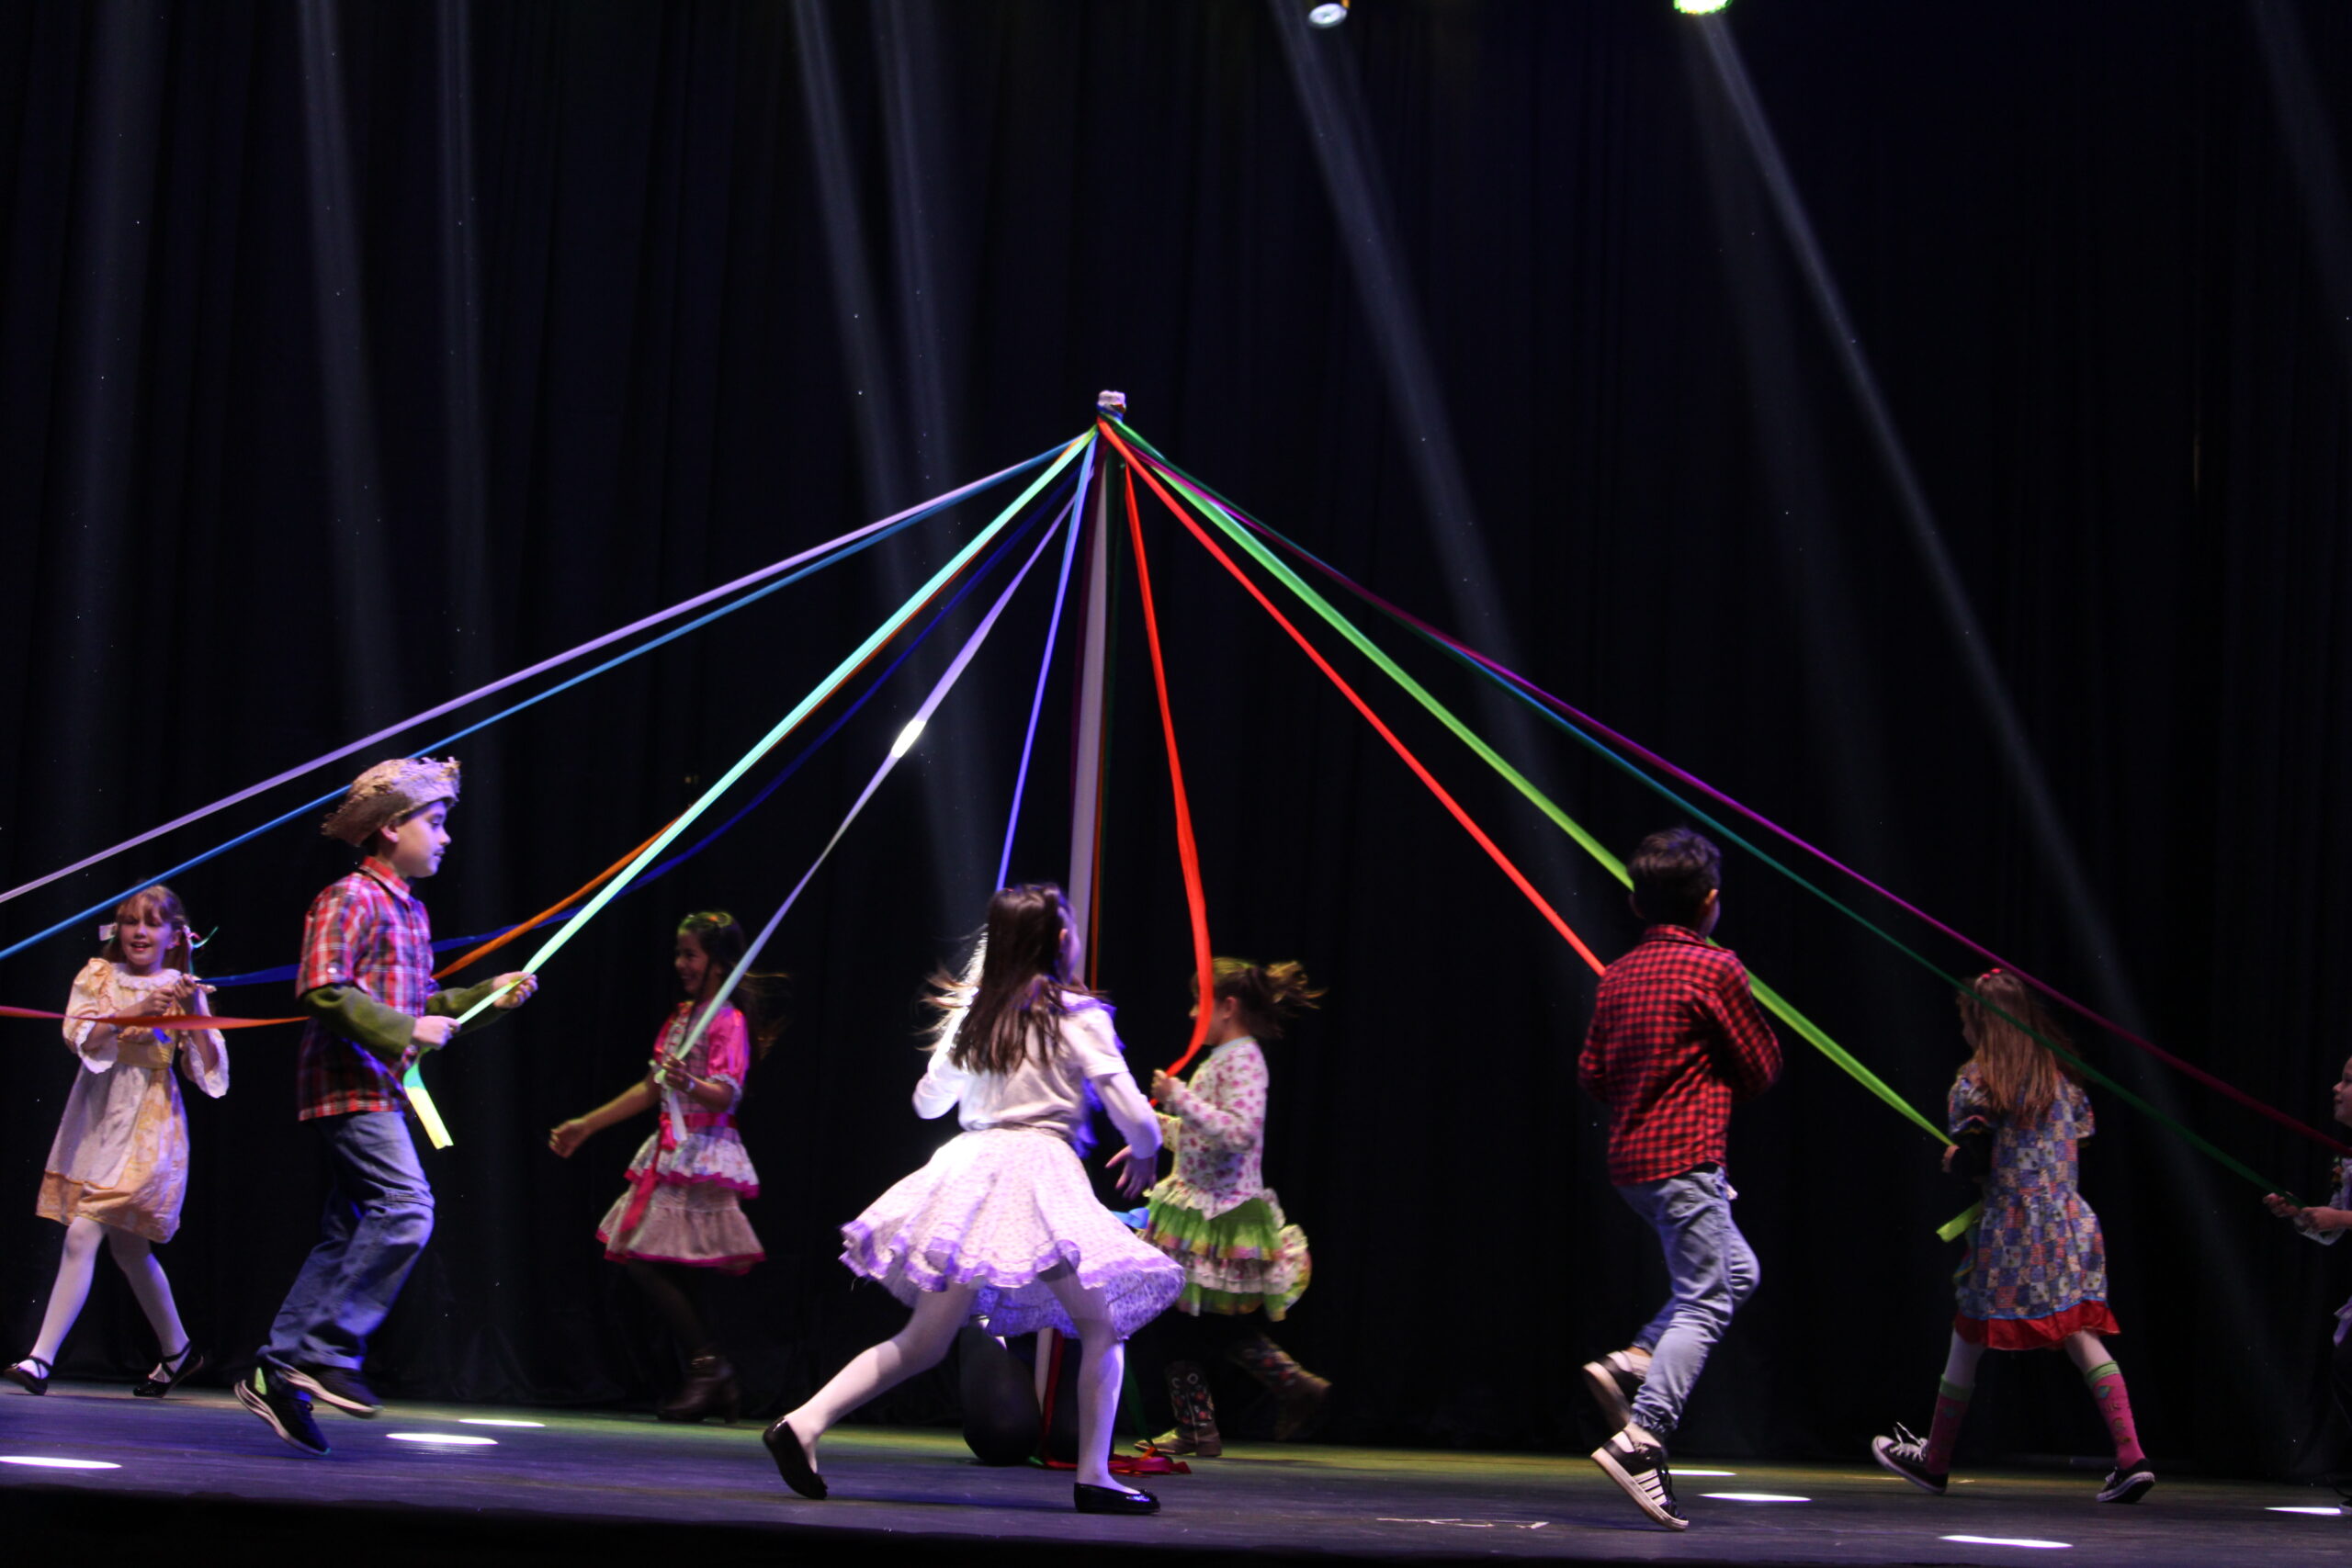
{"points": [[378, 1216], [1713, 1271]]}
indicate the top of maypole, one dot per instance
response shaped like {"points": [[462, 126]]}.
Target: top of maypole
{"points": [[1112, 404]]}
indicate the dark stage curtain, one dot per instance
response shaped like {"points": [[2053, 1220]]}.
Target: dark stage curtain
{"points": [[354, 353]]}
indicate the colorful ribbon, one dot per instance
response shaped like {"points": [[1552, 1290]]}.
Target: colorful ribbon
{"points": [[1188, 849], [800, 710], [898, 749], [1218, 513], [1772, 1000], [840, 550], [151, 1019], [364, 743], [1493, 851], [1045, 669]]}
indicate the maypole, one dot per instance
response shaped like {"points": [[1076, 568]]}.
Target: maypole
{"points": [[1093, 695]]}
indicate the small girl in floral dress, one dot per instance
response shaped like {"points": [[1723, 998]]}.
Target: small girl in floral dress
{"points": [[1215, 1215], [2036, 1275], [683, 1214], [118, 1171]]}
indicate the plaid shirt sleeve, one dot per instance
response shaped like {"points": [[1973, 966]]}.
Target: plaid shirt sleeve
{"points": [[332, 934], [1749, 1057]]}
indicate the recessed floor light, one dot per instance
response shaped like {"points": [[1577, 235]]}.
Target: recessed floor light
{"points": [[1678, 1470], [2011, 1540], [45, 1462], [443, 1440], [1754, 1497], [494, 1421], [2321, 1510]]}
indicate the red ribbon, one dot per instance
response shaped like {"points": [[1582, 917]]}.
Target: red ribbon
{"points": [[1493, 851], [1187, 849], [151, 1019]]}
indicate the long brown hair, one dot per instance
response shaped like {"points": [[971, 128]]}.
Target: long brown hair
{"points": [[1270, 994], [2020, 1075], [724, 943], [179, 952], [1024, 987]]}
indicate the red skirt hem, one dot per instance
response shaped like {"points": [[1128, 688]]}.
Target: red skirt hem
{"points": [[2036, 1332]]}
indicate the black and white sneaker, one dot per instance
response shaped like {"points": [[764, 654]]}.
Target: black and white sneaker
{"points": [[1907, 1456], [1639, 1471], [2128, 1482], [1612, 1381], [338, 1387], [284, 1408]]}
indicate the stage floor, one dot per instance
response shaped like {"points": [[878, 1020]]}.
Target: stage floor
{"points": [[448, 1485]]}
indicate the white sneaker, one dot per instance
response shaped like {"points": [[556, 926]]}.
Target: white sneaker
{"points": [[1639, 1471]]}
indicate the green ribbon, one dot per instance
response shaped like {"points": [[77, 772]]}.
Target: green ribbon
{"points": [[1811, 1032], [1627, 767], [766, 743]]}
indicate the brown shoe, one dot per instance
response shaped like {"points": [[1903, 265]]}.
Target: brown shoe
{"points": [[709, 1389]]}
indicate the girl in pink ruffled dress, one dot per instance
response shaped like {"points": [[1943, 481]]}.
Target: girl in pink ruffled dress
{"points": [[683, 1213], [1002, 1221]]}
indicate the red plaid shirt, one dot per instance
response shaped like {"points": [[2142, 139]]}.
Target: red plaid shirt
{"points": [[1676, 1040], [369, 931]]}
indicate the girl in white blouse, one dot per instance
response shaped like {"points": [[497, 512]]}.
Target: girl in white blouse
{"points": [[118, 1169], [1002, 1223]]}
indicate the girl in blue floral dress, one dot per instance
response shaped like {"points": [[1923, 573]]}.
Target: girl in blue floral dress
{"points": [[2036, 1274]]}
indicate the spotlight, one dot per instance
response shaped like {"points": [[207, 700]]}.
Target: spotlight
{"points": [[1329, 14], [1700, 7], [906, 740]]}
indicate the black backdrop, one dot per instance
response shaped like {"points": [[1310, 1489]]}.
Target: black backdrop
{"points": [[352, 355]]}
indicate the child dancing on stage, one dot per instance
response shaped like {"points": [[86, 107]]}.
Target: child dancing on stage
{"points": [[1002, 1222], [1215, 1216], [1676, 1042], [118, 1168], [2327, 1225], [2036, 1275], [365, 980], [684, 1211]]}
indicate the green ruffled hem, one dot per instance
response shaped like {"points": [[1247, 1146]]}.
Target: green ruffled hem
{"points": [[1251, 1237], [1253, 1230], [1198, 1299]]}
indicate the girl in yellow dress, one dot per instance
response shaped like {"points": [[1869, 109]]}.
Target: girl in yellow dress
{"points": [[118, 1171]]}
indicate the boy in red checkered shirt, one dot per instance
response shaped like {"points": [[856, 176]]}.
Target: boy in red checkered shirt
{"points": [[365, 980], [1676, 1040]]}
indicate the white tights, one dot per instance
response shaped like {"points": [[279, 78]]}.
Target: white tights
{"points": [[76, 1266], [923, 1343]]}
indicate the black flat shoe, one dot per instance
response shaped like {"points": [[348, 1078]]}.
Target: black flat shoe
{"points": [[176, 1369], [1112, 1500], [31, 1383], [792, 1461]]}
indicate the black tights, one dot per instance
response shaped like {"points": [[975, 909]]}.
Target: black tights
{"points": [[671, 1289]]}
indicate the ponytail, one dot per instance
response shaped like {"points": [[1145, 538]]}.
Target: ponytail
{"points": [[1269, 994]]}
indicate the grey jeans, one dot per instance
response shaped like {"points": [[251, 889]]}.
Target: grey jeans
{"points": [[1712, 1270]]}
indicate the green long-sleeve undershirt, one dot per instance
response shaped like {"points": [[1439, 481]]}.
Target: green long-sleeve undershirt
{"points": [[385, 1031]]}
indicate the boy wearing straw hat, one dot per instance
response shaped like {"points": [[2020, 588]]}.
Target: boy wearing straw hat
{"points": [[365, 980]]}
